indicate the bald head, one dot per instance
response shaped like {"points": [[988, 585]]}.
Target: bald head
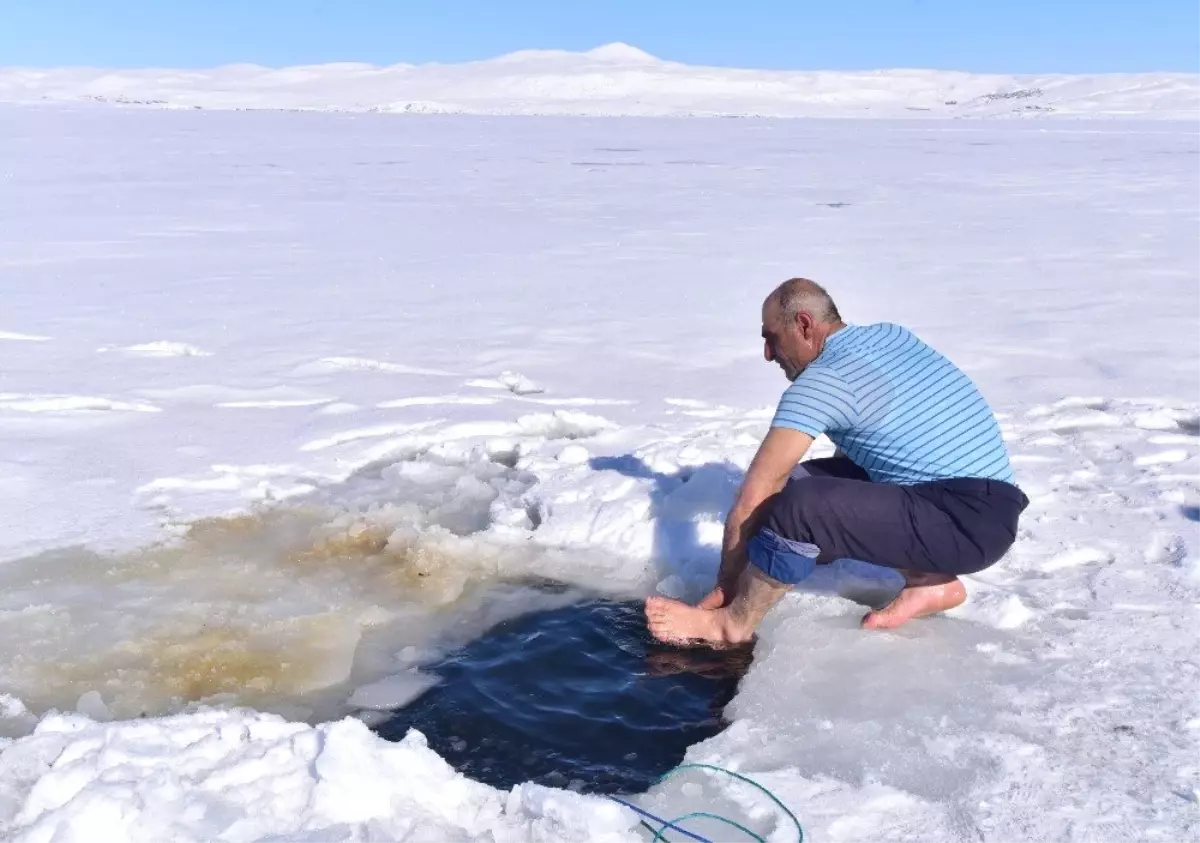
{"points": [[797, 318], [797, 294]]}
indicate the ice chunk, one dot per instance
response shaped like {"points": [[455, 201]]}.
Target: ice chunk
{"points": [[1169, 457], [1078, 556], [514, 382], [573, 455], [91, 704], [11, 707], [393, 691]]}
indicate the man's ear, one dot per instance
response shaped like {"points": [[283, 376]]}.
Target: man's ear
{"points": [[805, 324]]}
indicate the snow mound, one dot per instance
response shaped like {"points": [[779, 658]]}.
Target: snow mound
{"points": [[33, 403], [242, 775], [161, 348]]}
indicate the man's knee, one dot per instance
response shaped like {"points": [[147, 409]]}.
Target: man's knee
{"points": [[783, 548], [800, 504]]}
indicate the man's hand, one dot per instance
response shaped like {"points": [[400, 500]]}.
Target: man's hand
{"points": [[769, 471]]}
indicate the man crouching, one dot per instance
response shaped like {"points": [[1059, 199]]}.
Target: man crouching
{"points": [[921, 481]]}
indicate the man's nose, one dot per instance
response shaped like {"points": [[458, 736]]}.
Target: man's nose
{"points": [[768, 353]]}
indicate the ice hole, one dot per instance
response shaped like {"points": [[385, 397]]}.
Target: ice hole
{"points": [[578, 696]]}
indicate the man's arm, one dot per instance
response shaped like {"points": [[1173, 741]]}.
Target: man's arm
{"points": [[768, 472]]}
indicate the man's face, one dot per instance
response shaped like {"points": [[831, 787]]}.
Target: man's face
{"points": [[785, 342]]}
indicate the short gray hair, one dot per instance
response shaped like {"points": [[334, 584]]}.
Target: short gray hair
{"points": [[797, 294]]}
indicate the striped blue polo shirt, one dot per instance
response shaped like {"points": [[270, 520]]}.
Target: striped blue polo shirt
{"points": [[897, 408]]}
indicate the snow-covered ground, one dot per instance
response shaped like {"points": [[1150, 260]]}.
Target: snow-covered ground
{"points": [[290, 402], [616, 79]]}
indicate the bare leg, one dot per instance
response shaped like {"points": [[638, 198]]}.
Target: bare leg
{"points": [[678, 623], [923, 594]]}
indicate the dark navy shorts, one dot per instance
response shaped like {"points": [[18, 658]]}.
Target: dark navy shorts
{"points": [[955, 526]]}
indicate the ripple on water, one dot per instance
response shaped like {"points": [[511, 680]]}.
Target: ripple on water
{"points": [[578, 697]]}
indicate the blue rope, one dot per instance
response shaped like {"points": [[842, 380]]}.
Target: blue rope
{"points": [[673, 824], [665, 823]]}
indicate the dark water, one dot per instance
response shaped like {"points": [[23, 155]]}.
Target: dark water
{"points": [[578, 697]]}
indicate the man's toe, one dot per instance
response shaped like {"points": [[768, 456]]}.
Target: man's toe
{"points": [[880, 619]]}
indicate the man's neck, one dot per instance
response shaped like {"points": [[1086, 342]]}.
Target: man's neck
{"points": [[833, 328]]}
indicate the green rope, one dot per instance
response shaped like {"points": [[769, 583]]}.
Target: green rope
{"points": [[660, 836], [773, 797]]}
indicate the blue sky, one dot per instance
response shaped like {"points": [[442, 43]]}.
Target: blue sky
{"points": [[979, 35]]}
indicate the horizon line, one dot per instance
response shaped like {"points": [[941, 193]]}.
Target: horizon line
{"points": [[608, 52]]}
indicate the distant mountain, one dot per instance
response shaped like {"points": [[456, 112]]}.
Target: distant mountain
{"points": [[616, 79]]}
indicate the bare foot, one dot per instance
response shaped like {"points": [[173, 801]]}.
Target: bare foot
{"points": [[924, 595], [678, 623]]}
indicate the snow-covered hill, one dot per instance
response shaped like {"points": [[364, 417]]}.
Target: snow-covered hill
{"points": [[615, 79]]}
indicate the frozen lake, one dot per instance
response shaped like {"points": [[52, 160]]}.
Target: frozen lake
{"points": [[392, 361]]}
